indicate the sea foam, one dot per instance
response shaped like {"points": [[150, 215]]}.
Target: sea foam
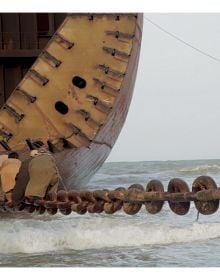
{"points": [[201, 169], [81, 233]]}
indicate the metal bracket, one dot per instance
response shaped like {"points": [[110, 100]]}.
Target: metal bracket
{"points": [[29, 97], [50, 58], [115, 52], [11, 111], [120, 35], [63, 41], [109, 70], [38, 77]]}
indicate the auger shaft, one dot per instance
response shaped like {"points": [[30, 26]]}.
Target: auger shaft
{"points": [[205, 194]]}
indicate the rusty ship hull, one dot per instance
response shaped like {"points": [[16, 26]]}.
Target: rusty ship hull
{"points": [[75, 97]]}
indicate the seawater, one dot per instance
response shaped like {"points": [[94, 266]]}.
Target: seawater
{"points": [[119, 240]]}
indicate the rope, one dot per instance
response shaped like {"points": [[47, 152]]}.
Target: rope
{"points": [[182, 41]]}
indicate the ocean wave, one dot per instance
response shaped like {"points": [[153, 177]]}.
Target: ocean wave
{"points": [[201, 169], [117, 180], [77, 233]]}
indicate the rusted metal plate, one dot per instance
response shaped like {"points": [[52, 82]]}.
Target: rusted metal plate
{"points": [[177, 185], [152, 206], [2, 85], [1, 33], [203, 183], [12, 77], [10, 29], [98, 58], [28, 31], [51, 83], [205, 194], [58, 19]]}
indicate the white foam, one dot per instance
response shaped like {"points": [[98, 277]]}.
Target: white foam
{"points": [[88, 232], [202, 168]]}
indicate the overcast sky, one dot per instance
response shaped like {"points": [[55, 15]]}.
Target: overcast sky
{"points": [[175, 110]]}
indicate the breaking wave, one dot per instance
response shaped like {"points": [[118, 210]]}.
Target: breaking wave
{"points": [[81, 233], [201, 169]]}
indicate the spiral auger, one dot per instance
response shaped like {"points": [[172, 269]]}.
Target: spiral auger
{"points": [[205, 194]]}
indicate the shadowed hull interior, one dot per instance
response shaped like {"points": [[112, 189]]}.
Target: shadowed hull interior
{"points": [[76, 96]]}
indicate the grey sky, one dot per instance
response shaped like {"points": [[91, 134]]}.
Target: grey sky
{"points": [[175, 111]]}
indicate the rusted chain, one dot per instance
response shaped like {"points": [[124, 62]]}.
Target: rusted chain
{"points": [[205, 194]]}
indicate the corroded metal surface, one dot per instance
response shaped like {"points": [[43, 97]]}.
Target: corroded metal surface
{"points": [[129, 200], [76, 96], [22, 37]]}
